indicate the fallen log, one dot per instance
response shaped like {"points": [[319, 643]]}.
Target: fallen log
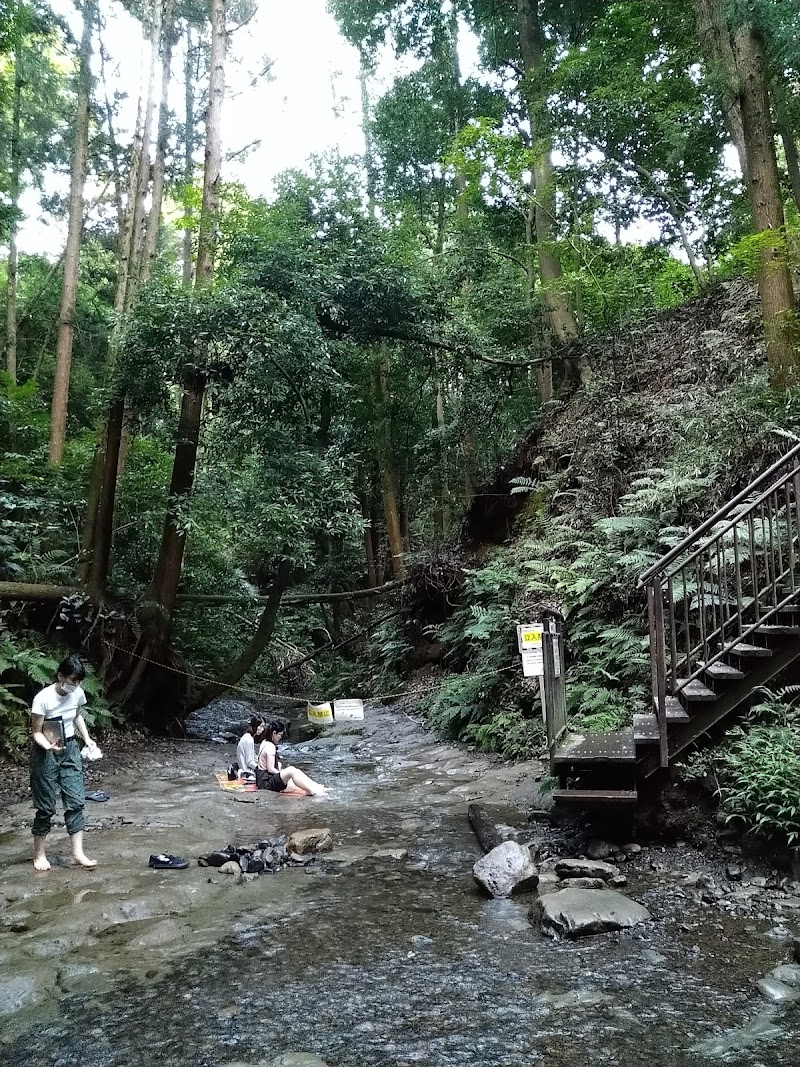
{"points": [[485, 829], [30, 591]]}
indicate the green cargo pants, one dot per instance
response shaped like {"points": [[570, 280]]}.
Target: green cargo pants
{"points": [[53, 773]]}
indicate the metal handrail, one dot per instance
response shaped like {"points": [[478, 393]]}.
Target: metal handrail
{"points": [[696, 631], [720, 513]]}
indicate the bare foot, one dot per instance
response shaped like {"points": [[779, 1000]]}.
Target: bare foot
{"points": [[83, 860], [41, 863]]}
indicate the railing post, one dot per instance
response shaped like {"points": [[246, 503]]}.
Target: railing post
{"points": [[548, 695], [655, 611]]}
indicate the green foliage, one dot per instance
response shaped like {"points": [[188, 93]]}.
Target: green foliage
{"points": [[27, 664], [756, 769], [509, 732]]}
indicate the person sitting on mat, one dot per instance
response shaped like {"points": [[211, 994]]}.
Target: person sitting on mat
{"points": [[270, 772], [246, 755], [56, 767]]}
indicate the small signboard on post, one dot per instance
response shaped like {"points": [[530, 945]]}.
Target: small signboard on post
{"points": [[348, 710], [529, 641]]}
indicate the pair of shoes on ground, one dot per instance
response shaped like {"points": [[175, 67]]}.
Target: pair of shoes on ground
{"points": [[165, 862]]}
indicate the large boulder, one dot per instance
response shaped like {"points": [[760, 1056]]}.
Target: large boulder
{"points": [[317, 839], [579, 912], [586, 869], [507, 869]]}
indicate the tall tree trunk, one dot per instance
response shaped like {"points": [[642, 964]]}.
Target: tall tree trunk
{"points": [[391, 508], [69, 292], [369, 544], [543, 371], [442, 515], [559, 314], [13, 192], [139, 214], [173, 542], [774, 278], [162, 143], [100, 562], [715, 42], [783, 125], [101, 485], [188, 153], [366, 126]]}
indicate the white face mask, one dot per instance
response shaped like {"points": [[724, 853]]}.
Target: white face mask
{"points": [[68, 687]]}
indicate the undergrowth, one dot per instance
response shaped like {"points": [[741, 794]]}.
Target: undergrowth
{"points": [[755, 771]]}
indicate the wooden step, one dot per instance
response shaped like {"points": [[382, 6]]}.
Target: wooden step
{"points": [[748, 651], [590, 797], [645, 727], [694, 690], [723, 672], [769, 630], [676, 712], [616, 746]]}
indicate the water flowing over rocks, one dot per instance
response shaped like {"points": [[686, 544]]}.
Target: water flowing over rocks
{"points": [[365, 960], [580, 912]]}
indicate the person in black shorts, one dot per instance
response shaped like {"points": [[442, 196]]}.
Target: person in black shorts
{"points": [[270, 772]]}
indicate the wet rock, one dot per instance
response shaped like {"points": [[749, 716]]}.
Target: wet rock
{"points": [[391, 854], [599, 850], [21, 991], [231, 867], [788, 973], [548, 882], [318, 839], [586, 869], [300, 861], [734, 872], [507, 869], [788, 902], [619, 881], [579, 912], [582, 883], [632, 849], [777, 992], [759, 883]]}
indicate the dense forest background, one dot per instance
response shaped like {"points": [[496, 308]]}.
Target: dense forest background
{"points": [[502, 360]]}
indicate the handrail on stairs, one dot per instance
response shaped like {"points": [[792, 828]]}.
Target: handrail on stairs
{"points": [[727, 578]]}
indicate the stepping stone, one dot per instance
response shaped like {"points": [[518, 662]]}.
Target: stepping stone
{"points": [[580, 912]]}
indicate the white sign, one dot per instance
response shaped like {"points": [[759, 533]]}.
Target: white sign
{"points": [[533, 663], [348, 710], [320, 713], [556, 656], [529, 637]]}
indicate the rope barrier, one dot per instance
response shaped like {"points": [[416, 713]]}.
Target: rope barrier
{"points": [[283, 696]]}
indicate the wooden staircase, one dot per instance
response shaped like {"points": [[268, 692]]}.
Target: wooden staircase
{"points": [[724, 618]]}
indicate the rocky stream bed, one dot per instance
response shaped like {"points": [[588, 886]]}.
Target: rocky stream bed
{"points": [[382, 950]]}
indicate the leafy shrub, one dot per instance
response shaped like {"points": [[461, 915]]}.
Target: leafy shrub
{"points": [[508, 731], [756, 769]]}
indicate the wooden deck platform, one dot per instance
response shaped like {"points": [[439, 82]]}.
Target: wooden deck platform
{"points": [[614, 747]]}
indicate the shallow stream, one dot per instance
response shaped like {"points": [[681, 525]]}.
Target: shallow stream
{"points": [[359, 960]]}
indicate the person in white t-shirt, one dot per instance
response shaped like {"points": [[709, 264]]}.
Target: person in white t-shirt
{"points": [[56, 766], [247, 750]]}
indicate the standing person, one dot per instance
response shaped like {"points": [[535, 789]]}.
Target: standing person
{"points": [[246, 754], [56, 765], [271, 774]]}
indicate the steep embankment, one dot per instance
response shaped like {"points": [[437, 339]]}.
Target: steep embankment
{"points": [[677, 417]]}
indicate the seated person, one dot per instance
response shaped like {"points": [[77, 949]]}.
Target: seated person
{"points": [[270, 772], [246, 755]]}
